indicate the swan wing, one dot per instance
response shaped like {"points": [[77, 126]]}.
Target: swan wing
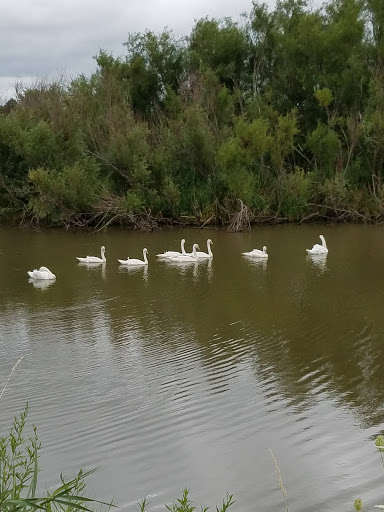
{"points": [[317, 249], [134, 261], [203, 255], [184, 258], [41, 274], [169, 254], [90, 259]]}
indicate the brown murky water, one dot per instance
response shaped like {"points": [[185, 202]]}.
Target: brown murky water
{"points": [[177, 376]]}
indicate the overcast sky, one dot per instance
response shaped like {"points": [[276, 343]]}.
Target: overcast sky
{"points": [[52, 38]]}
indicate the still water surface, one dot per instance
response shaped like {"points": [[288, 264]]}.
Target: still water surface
{"points": [[177, 376]]}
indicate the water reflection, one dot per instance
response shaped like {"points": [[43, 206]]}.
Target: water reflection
{"points": [[318, 261], [256, 262], [95, 266], [135, 270], [42, 284], [180, 264]]}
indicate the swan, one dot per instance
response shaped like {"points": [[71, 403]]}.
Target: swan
{"points": [[42, 273], [133, 261], [170, 254], [184, 258], [94, 259], [208, 254], [319, 249], [256, 253]]}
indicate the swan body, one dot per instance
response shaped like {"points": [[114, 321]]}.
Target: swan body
{"points": [[208, 254], [184, 258], [42, 273], [94, 259], [171, 254], [256, 253], [134, 261], [319, 249]]}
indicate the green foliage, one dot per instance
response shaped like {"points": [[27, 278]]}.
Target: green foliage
{"points": [[184, 504], [221, 46], [283, 143], [324, 97], [335, 192], [324, 145], [231, 159], [57, 195], [294, 194], [182, 126], [253, 137], [171, 195]]}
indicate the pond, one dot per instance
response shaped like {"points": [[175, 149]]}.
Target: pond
{"points": [[178, 376]]}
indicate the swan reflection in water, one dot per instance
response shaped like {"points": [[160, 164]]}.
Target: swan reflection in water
{"points": [[42, 284], [256, 262], [183, 266], [135, 270], [197, 268], [95, 266], [318, 261]]}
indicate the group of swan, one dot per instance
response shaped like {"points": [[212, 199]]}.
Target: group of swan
{"points": [[185, 257], [175, 256], [317, 249]]}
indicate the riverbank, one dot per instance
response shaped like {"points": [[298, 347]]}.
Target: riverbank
{"points": [[237, 124]]}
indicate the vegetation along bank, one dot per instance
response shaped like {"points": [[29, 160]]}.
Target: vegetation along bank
{"points": [[279, 117]]}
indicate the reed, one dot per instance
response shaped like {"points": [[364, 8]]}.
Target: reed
{"points": [[280, 480], [19, 472]]}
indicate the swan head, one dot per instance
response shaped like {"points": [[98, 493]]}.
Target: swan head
{"points": [[145, 250], [209, 241], [102, 248], [265, 249]]}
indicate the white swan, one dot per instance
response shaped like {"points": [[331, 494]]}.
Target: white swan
{"points": [[319, 249], [133, 261], [185, 258], [170, 254], [256, 253], [94, 259], [42, 273], [209, 254]]}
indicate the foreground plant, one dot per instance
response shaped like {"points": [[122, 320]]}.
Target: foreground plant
{"points": [[19, 472], [379, 442], [184, 504]]}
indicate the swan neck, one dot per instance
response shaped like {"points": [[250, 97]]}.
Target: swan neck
{"points": [[323, 242]]}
